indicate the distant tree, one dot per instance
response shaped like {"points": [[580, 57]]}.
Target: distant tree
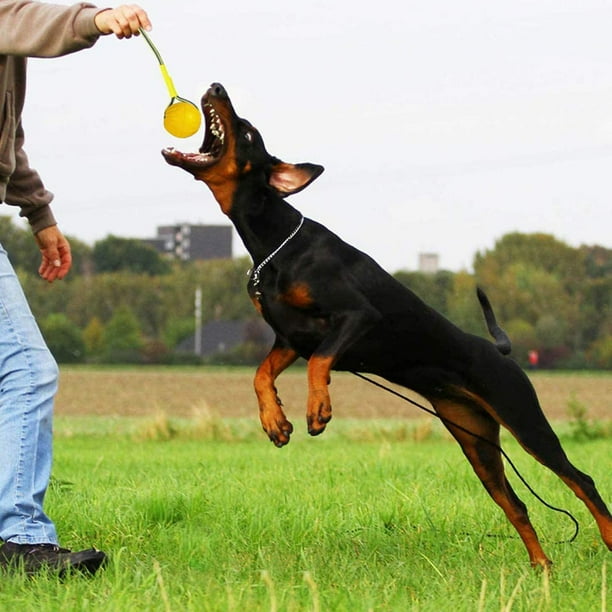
{"points": [[551, 331], [600, 352], [527, 291], [20, 245], [523, 337], [82, 262], [541, 251], [434, 289], [154, 351], [46, 298], [101, 295], [93, 337], [537, 278], [223, 284], [25, 255], [596, 309], [553, 341], [115, 254], [177, 330], [463, 307], [63, 338], [597, 261], [122, 337]]}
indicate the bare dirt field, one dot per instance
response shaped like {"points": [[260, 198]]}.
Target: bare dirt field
{"points": [[183, 392]]}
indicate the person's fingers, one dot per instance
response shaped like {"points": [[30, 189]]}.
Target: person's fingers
{"points": [[139, 19], [56, 256], [123, 21], [48, 269], [54, 268], [65, 260]]}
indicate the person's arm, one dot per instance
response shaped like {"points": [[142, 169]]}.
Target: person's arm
{"points": [[41, 29], [48, 30], [26, 190]]}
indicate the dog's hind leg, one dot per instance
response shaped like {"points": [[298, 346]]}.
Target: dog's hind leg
{"points": [[546, 448], [482, 451], [537, 437], [516, 407], [271, 415]]}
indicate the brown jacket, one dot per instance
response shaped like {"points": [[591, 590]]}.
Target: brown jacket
{"points": [[32, 29]]}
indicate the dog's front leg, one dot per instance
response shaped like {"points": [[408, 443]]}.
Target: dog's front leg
{"points": [[272, 417], [346, 329], [319, 410]]}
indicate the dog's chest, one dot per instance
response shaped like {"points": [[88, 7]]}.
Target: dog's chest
{"points": [[291, 312]]}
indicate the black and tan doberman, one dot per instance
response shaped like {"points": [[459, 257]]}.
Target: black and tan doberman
{"points": [[336, 307]]}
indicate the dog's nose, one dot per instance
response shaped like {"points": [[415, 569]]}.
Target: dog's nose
{"points": [[216, 89]]}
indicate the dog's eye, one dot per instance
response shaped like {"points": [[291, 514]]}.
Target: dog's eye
{"points": [[248, 136]]}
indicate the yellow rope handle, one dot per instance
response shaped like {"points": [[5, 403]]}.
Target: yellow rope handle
{"points": [[168, 81]]}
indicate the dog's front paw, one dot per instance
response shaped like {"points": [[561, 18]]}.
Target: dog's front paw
{"points": [[279, 430], [319, 412]]}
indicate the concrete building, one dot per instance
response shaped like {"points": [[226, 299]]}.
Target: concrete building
{"points": [[188, 242], [429, 263]]}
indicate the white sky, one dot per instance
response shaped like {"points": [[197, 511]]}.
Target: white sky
{"points": [[442, 125]]}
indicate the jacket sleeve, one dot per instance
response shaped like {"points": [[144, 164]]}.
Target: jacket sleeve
{"points": [[39, 29], [26, 190]]}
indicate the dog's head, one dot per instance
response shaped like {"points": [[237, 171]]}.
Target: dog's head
{"points": [[233, 156]]}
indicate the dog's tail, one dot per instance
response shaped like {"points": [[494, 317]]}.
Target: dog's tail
{"points": [[502, 341]]}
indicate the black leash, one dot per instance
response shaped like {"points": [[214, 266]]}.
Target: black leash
{"points": [[496, 446]]}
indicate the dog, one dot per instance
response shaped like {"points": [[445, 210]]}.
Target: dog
{"points": [[337, 308]]}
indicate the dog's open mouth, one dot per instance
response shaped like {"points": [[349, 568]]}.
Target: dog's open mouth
{"points": [[212, 148]]}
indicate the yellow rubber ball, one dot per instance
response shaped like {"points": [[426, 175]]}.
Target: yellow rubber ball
{"points": [[182, 119]]}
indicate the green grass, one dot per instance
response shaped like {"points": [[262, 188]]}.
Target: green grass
{"points": [[379, 516]]}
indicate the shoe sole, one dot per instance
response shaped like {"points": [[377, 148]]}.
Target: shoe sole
{"points": [[86, 562]]}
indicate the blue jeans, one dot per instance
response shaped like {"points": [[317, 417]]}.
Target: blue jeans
{"points": [[28, 383]]}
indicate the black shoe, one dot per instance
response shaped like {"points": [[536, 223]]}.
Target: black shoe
{"points": [[35, 557]]}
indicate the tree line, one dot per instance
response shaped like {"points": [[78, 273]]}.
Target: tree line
{"points": [[123, 302]]}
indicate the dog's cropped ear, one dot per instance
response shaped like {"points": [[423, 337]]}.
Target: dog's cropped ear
{"points": [[287, 179]]}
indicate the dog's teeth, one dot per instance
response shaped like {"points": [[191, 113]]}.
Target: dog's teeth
{"points": [[215, 123]]}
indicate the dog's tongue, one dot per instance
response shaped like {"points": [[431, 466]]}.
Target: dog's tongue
{"points": [[177, 158], [172, 156]]}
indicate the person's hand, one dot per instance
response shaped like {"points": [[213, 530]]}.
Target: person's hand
{"points": [[55, 250], [122, 21]]}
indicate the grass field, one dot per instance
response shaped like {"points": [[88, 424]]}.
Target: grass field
{"points": [[169, 472]]}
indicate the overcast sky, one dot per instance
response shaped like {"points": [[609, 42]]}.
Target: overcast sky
{"points": [[442, 125]]}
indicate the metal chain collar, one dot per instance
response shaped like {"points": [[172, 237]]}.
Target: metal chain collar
{"points": [[254, 274]]}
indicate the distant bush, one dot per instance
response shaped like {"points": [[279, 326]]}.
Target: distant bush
{"points": [[600, 352], [123, 341], [63, 338], [581, 427]]}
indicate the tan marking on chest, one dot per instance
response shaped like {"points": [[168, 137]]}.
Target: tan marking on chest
{"points": [[298, 295], [257, 305]]}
